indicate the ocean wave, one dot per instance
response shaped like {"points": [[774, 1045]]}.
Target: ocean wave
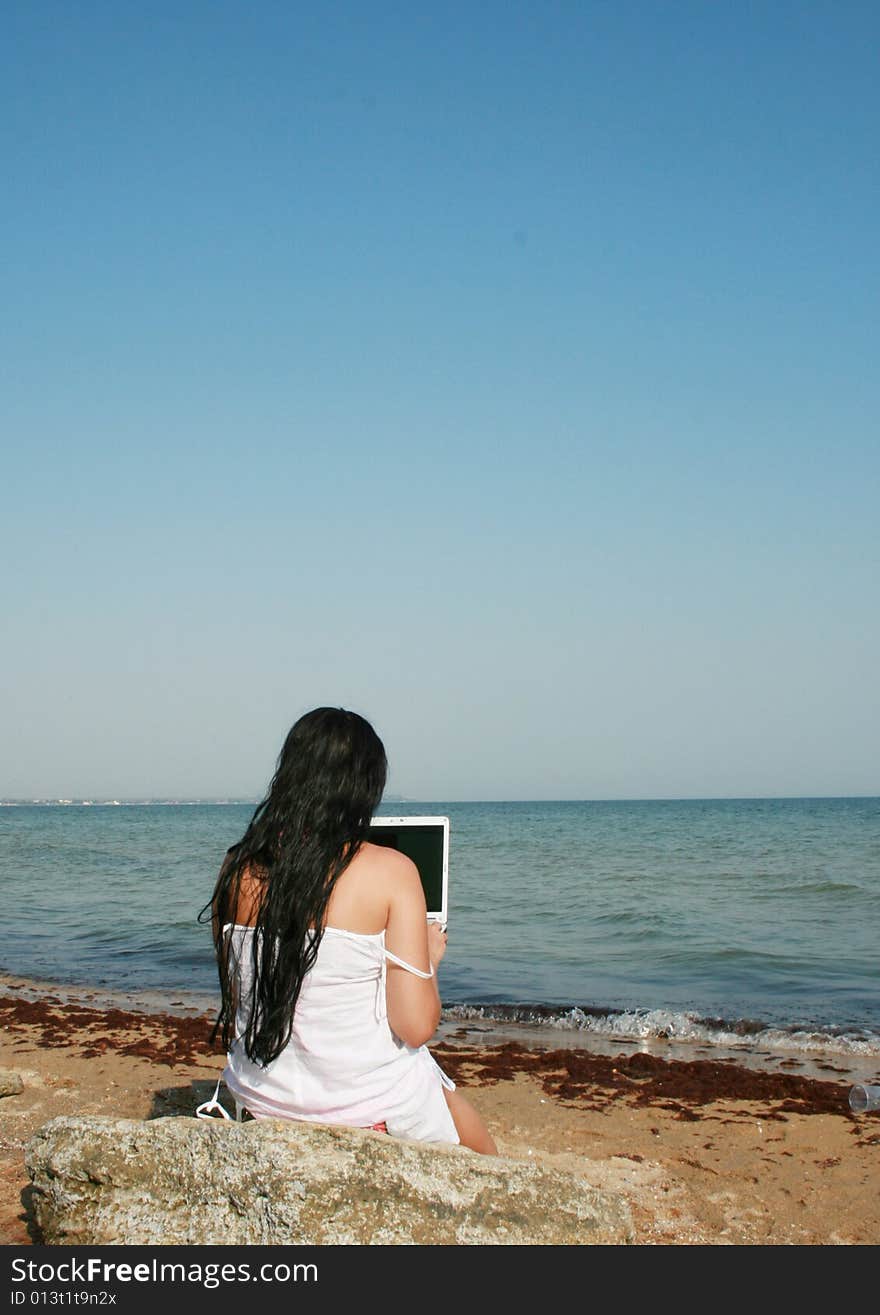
{"points": [[672, 1025], [827, 887]]}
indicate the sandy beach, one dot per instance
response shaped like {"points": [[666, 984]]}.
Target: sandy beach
{"points": [[706, 1151]]}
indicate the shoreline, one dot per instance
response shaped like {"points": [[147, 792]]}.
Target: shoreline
{"points": [[705, 1150], [829, 1062]]}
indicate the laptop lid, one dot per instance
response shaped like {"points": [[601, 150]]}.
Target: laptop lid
{"points": [[425, 840]]}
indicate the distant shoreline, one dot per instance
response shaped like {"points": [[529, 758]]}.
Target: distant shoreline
{"points": [[127, 803], [148, 803]]}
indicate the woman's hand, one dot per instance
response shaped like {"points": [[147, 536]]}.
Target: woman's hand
{"points": [[436, 944]]}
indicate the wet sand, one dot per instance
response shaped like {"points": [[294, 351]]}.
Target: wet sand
{"points": [[706, 1150]]}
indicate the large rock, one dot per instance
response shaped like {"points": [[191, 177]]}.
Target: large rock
{"points": [[99, 1181]]}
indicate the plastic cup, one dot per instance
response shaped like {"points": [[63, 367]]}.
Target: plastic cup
{"points": [[863, 1098]]}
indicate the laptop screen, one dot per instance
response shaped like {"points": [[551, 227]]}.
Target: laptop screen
{"points": [[424, 840]]}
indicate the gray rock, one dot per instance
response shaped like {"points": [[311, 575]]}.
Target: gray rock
{"points": [[101, 1181], [10, 1082]]}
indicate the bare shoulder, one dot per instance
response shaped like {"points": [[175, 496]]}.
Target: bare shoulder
{"points": [[388, 863], [370, 888], [390, 874], [397, 877]]}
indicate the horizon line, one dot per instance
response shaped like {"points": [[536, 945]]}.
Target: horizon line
{"points": [[13, 801]]}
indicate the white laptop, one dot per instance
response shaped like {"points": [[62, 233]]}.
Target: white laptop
{"points": [[425, 840]]}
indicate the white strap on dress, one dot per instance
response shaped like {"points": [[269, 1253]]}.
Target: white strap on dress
{"points": [[381, 1002]]}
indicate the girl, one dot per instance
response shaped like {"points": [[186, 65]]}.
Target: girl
{"points": [[328, 965]]}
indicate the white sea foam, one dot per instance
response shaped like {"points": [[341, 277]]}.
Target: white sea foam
{"points": [[670, 1025]]}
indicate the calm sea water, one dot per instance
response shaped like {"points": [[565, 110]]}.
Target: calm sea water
{"points": [[710, 919]]}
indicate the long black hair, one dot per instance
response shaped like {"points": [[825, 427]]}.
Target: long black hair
{"points": [[327, 784]]}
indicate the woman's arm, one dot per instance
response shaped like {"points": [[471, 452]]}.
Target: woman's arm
{"points": [[413, 1002]]}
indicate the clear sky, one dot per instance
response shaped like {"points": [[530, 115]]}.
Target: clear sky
{"points": [[507, 372]]}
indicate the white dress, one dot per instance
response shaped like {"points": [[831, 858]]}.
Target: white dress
{"points": [[342, 1064]]}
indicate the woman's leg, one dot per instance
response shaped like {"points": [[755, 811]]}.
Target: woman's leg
{"points": [[470, 1127]]}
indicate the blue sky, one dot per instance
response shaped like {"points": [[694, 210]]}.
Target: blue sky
{"points": [[504, 372]]}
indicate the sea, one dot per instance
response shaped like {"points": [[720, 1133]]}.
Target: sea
{"points": [[731, 926]]}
